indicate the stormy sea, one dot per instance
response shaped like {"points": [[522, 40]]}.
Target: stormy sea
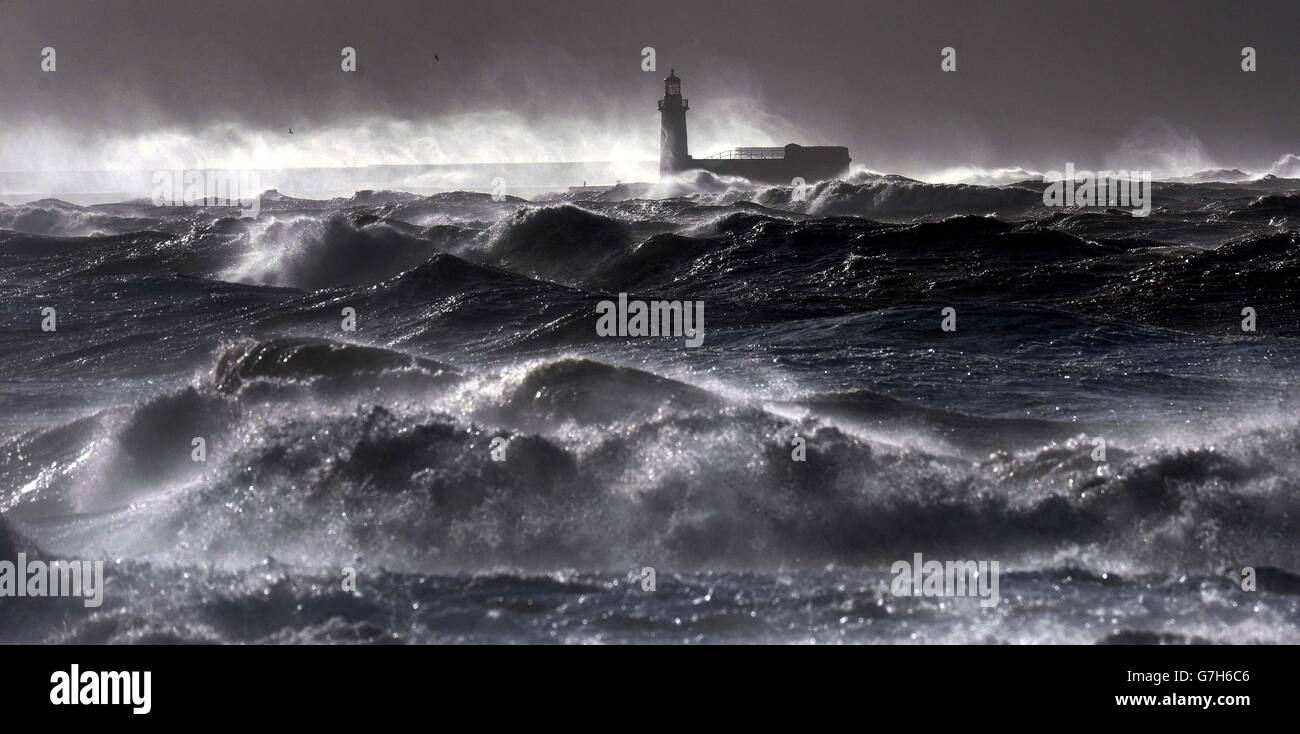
{"points": [[390, 417]]}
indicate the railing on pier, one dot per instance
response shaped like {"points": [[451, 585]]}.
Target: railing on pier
{"points": [[748, 154]]}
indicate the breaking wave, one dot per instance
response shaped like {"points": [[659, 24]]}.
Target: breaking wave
{"points": [[335, 251]]}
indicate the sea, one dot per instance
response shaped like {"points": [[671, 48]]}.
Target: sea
{"points": [[390, 417]]}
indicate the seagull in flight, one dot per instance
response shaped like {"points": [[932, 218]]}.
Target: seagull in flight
{"points": [[291, 131]]}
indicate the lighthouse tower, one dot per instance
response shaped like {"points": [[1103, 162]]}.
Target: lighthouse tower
{"points": [[672, 134]]}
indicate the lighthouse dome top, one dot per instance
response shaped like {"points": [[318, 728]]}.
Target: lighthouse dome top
{"points": [[672, 85]]}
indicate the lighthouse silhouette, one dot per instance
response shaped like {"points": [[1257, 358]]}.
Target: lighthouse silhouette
{"points": [[787, 165], [673, 155]]}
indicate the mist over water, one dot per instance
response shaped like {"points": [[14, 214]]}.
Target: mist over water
{"points": [[495, 83]]}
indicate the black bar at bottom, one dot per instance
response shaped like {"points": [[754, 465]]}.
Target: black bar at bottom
{"points": [[374, 684]]}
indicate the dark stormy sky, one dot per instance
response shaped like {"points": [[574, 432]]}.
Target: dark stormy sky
{"points": [[1143, 85]]}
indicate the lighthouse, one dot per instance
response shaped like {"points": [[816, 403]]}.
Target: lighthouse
{"points": [[783, 166], [672, 127]]}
